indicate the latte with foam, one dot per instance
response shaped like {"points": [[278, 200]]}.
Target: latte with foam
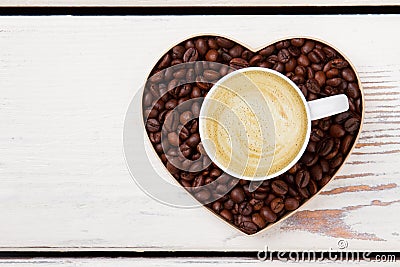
{"points": [[253, 124]]}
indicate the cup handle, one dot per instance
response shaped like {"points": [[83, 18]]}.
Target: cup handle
{"points": [[328, 106]]}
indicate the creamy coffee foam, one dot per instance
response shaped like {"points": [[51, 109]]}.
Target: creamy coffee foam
{"points": [[257, 123]]}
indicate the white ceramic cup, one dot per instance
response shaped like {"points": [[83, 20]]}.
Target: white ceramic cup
{"points": [[316, 109]]}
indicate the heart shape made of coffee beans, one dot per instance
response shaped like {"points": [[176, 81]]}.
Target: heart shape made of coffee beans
{"points": [[318, 69]]}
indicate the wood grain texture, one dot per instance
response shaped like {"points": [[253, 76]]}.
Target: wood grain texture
{"points": [[150, 3], [65, 85]]}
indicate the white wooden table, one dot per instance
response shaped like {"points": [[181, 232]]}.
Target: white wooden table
{"points": [[65, 85]]}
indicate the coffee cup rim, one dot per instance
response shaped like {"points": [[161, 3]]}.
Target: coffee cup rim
{"points": [[306, 139]]}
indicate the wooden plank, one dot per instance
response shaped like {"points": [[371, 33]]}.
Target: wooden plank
{"points": [[66, 83], [167, 262], [156, 3]]}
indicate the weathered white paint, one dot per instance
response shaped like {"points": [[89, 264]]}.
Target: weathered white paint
{"points": [[65, 85]]}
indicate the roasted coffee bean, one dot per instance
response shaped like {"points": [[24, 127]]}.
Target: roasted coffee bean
{"points": [[229, 204], [337, 131], [171, 121], [291, 65], [303, 60], [302, 178], [346, 143], [283, 55], [316, 135], [332, 73], [187, 176], [317, 67], [236, 51], [310, 73], [268, 214], [339, 63], [203, 195], [325, 147], [247, 55], [312, 187], [165, 61], [294, 51], [178, 51], [279, 67], [212, 43], [316, 172], [226, 214], [352, 125], [259, 195], [308, 47], [193, 140], [237, 195], [201, 46], [152, 125], [329, 52], [267, 51], [217, 206], [324, 165], [248, 227], [297, 42], [342, 117], [324, 124], [304, 193], [196, 167], [352, 90], [185, 150], [313, 86], [282, 44], [245, 208], [348, 75], [185, 117], [238, 63], [313, 57], [212, 55], [155, 137], [211, 75], [171, 168], [173, 139], [171, 104], [255, 60], [320, 53], [223, 42], [291, 203], [214, 173], [334, 82], [268, 199], [336, 161], [240, 219], [277, 205], [309, 158], [297, 79], [279, 187], [256, 203], [320, 78], [221, 188], [258, 220], [300, 70], [189, 43], [184, 133]]}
